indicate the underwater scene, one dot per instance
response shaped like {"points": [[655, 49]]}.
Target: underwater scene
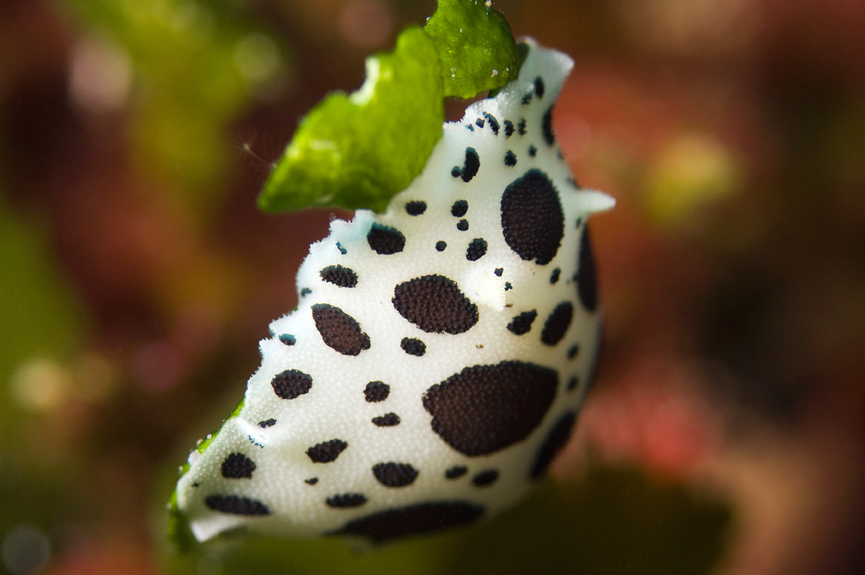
{"points": [[365, 286]]}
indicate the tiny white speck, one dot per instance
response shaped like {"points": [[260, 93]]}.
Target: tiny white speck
{"points": [[495, 73]]}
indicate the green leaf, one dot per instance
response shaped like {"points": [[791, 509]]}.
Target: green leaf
{"points": [[474, 45], [359, 150]]}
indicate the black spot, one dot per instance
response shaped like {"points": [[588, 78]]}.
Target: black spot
{"points": [[521, 127], [305, 292], [508, 286], [459, 208], [435, 304], [476, 249], [440, 245], [291, 383], [572, 182], [341, 249], [415, 207], [499, 271], [237, 466], [326, 451], [413, 520], [339, 276], [485, 478], [463, 225], [586, 278], [539, 87], [338, 330], [494, 124], [558, 323], [471, 166], [510, 159], [470, 127], [596, 357], [509, 128], [394, 474], [346, 500], [486, 408], [533, 151], [555, 441], [288, 339], [523, 322], [527, 99], [533, 223], [311, 480], [547, 127], [456, 471], [376, 391], [554, 277], [479, 123], [385, 240], [572, 353], [386, 420], [236, 505], [413, 346], [267, 423], [572, 383]]}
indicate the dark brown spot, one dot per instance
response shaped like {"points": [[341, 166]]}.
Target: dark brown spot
{"points": [[386, 420], [385, 240], [394, 474], [413, 346], [339, 276], [326, 451], [586, 278], [476, 250], [291, 383], [415, 207], [533, 222], [376, 391], [456, 471], [486, 408], [523, 323], [558, 323], [413, 520], [340, 331], [237, 466], [485, 478], [344, 500], [236, 505], [553, 444], [435, 304]]}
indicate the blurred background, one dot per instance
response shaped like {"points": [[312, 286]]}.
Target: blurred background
{"points": [[726, 431]]}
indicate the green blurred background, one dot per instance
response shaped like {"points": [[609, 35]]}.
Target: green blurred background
{"points": [[725, 434]]}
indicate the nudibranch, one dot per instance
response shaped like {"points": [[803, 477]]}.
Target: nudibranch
{"points": [[439, 353]]}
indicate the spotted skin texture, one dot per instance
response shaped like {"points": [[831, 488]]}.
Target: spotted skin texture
{"points": [[426, 379], [558, 323], [532, 217], [327, 451], [394, 474], [554, 442], [340, 276], [486, 408], [237, 466], [340, 331], [413, 520], [435, 304]]}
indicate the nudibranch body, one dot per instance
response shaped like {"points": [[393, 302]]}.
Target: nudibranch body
{"points": [[439, 353]]}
